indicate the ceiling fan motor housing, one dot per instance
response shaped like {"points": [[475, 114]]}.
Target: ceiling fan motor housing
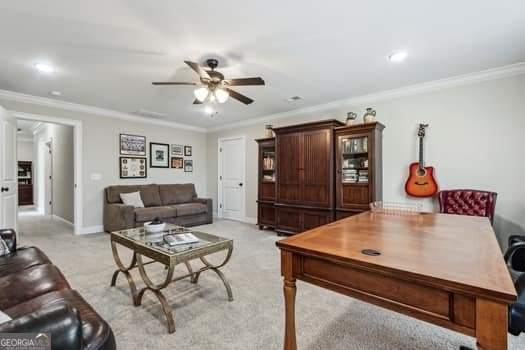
{"points": [[212, 63]]}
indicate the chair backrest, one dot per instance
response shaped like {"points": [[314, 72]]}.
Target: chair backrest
{"points": [[468, 202]]}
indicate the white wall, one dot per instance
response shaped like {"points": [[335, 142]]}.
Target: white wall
{"points": [[475, 140], [100, 154], [24, 150], [61, 137]]}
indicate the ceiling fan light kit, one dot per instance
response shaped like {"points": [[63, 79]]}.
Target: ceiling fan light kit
{"points": [[213, 86], [201, 93]]}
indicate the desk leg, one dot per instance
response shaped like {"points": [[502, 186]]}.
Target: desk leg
{"points": [[289, 303], [491, 325], [289, 300]]}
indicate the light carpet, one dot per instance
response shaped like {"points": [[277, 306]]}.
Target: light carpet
{"points": [[204, 318]]}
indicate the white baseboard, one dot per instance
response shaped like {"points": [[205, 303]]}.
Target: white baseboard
{"points": [[91, 229], [59, 218], [249, 220], [246, 219]]}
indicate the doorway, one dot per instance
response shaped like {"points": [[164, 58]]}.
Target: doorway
{"points": [[232, 174], [59, 149]]}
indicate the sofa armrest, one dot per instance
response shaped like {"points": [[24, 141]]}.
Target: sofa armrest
{"points": [[207, 201], [9, 237], [118, 216], [61, 321]]}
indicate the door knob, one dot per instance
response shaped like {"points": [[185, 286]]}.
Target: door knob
{"points": [[5, 189], [240, 184]]}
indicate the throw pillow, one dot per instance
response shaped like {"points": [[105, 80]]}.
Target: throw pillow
{"points": [[4, 317], [4, 249], [133, 199]]}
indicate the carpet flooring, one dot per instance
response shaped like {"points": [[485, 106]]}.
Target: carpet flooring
{"points": [[205, 319]]}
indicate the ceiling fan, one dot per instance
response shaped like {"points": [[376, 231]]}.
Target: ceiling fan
{"points": [[213, 85]]}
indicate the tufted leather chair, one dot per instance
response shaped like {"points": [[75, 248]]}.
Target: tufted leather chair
{"points": [[468, 202]]}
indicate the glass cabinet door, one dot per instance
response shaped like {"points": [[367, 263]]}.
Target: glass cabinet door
{"points": [[354, 160], [268, 165]]}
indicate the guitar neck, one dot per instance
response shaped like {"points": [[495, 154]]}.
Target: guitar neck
{"points": [[421, 164]]}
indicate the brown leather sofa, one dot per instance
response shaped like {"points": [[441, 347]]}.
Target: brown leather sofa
{"points": [[38, 298], [173, 203]]}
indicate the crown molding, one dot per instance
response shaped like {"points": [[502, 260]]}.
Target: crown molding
{"points": [[435, 85], [76, 107], [465, 79]]}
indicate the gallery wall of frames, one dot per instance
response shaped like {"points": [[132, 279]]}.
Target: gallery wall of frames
{"points": [[133, 160]]}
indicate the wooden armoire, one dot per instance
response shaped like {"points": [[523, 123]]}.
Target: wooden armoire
{"points": [[304, 187], [314, 173]]}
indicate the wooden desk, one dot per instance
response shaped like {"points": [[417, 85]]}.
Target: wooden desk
{"points": [[444, 269]]}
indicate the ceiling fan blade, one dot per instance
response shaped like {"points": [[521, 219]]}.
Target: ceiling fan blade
{"points": [[244, 81], [197, 102], [201, 72], [239, 97], [172, 83]]}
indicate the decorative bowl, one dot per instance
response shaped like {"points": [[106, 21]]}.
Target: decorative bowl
{"points": [[154, 228]]}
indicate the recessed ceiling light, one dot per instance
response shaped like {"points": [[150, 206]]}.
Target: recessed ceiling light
{"points": [[398, 56], [208, 110], [55, 93], [44, 68]]}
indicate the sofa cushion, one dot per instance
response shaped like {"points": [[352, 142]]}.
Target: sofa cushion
{"points": [[148, 214], [186, 209], [149, 193], [30, 283], [22, 259], [177, 193], [95, 331]]}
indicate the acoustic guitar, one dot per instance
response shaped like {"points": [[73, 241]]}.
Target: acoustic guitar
{"points": [[421, 181]]}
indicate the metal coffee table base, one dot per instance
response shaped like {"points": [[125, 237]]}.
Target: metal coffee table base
{"points": [[137, 262]]}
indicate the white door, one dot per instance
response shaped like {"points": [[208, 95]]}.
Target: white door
{"points": [[8, 171], [231, 178], [48, 178]]}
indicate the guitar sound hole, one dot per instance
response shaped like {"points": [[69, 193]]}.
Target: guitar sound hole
{"points": [[421, 172]]}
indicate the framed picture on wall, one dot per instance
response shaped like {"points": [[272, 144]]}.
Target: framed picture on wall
{"points": [[133, 168], [177, 162], [187, 151], [159, 155], [188, 165], [176, 150], [132, 145]]}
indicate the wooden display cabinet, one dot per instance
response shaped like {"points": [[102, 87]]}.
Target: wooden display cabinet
{"points": [[359, 174], [266, 183], [25, 183]]}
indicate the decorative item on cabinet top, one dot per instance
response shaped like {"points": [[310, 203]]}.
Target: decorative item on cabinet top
{"points": [[369, 116], [268, 132], [350, 118]]}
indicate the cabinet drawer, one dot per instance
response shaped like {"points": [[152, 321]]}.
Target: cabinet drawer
{"points": [[423, 298], [288, 219], [296, 220]]}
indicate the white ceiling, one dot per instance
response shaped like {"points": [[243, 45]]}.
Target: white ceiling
{"points": [[107, 53]]}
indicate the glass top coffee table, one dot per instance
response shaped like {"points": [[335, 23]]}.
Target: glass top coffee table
{"points": [[153, 246]]}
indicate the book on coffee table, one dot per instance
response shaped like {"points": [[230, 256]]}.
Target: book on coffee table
{"points": [[180, 238]]}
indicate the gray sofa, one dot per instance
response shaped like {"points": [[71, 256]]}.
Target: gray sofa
{"points": [[175, 203]]}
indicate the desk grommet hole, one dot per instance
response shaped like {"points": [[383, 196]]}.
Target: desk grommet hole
{"points": [[371, 252]]}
